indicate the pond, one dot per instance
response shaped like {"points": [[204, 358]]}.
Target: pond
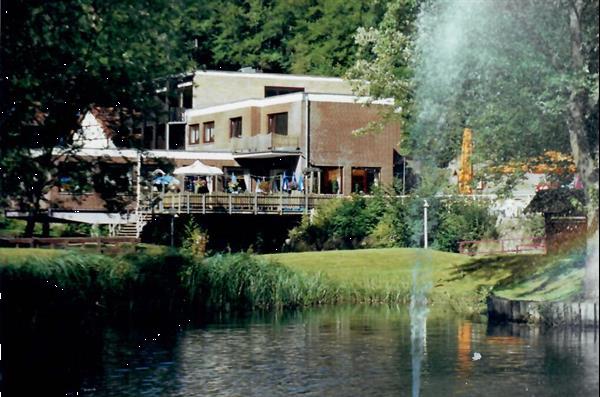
{"points": [[329, 351]]}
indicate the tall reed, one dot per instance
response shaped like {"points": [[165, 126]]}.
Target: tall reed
{"points": [[170, 283]]}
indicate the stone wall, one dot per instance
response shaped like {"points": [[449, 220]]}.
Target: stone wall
{"points": [[584, 314]]}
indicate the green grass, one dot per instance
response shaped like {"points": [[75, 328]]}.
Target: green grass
{"points": [[18, 255], [550, 279], [462, 282], [16, 228], [298, 279]]}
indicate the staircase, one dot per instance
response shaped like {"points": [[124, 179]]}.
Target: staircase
{"points": [[126, 230], [133, 229]]}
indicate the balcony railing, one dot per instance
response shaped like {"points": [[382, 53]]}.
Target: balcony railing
{"points": [[281, 204], [176, 114], [265, 142]]}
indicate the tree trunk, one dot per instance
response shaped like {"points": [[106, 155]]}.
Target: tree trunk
{"points": [[46, 228], [30, 227], [587, 167]]}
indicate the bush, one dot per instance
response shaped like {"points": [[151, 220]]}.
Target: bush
{"points": [[380, 220], [195, 239], [338, 224], [462, 220]]}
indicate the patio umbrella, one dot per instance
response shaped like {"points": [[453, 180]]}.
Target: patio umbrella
{"points": [[198, 168], [300, 183], [165, 180]]}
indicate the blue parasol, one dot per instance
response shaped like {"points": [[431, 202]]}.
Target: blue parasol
{"points": [[165, 180]]}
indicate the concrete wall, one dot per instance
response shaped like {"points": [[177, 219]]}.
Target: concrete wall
{"points": [[254, 129], [583, 314], [215, 88], [333, 144]]}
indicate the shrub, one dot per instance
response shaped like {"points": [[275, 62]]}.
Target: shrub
{"points": [[195, 239], [462, 220], [380, 220]]}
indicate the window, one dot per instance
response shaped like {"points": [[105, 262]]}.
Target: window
{"points": [[364, 179], [194, 133], [274, 91], [209, 132], [331, 180], [177, 136], [235, 127], [278, 123]]}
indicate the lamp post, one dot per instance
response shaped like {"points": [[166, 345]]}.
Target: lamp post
{"points": [[174, 215], [425, 237]]}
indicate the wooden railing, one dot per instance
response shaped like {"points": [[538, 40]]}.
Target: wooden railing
{"points": [[524, 245], [276, 204], [56, 242]]}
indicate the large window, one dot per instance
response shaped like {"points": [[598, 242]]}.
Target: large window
{"points": [[209, 132], [194, 134], [364, 179], [278, 123], [331, 180], [235, 127]]}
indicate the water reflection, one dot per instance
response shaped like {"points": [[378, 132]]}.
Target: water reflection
{"points": [[342, 351]]}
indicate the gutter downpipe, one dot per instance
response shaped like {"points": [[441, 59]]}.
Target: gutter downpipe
{"points": [[307, 148]]}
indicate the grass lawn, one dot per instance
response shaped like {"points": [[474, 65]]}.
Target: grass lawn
{"points": [[461, 281], [386, 275], [16, 255], [552, 279]]}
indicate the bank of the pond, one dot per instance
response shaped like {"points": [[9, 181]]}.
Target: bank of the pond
{"points": [[458, 280], [166, 282], [550, 293], [152, 284]]}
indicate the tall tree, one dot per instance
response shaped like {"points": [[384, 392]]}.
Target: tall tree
{"points": [[323, 38], [284, 36], [522, 73], [58, 58]]}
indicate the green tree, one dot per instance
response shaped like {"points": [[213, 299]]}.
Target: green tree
{"points": [[323, 41], [523, 74], [58, 58], [285, 36]]}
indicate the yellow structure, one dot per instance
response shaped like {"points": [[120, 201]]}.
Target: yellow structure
{"points": [[551, 162], [465, 173]]}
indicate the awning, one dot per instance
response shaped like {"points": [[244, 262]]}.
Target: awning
{"points": [[198, 168], [264, 155]]}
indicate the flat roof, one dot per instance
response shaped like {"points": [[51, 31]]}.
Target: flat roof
{"points": [[287, 98], [258, 75], [133, 153]]}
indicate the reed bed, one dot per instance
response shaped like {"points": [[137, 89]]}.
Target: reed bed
{"points": [[169, 283]]}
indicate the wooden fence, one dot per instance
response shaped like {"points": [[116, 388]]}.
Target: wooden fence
{"points": [[60, 242], [524, 245]]}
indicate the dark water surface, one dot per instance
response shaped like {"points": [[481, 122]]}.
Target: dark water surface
{"points": [[337, 351]]}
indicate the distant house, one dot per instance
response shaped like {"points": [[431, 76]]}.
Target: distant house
{"points": [[266, 132], [565, 222]]}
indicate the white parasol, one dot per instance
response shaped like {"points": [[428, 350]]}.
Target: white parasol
{"points": [[198, 168]]}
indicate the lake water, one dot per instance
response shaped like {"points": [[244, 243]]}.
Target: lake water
{"points": [[332, 351]]}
